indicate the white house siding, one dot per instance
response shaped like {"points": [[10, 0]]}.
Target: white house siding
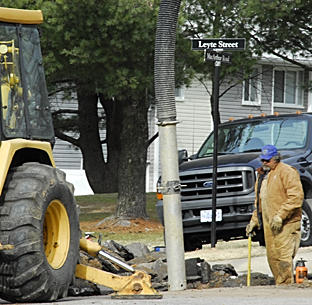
{"points": [[194, 114], [231, 106], [231, 103], [69, 157], [152, 167], [66, 156]]}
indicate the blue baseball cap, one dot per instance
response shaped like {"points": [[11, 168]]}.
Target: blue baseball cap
{"points": [[268, 152]]}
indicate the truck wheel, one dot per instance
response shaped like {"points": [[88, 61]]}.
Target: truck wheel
{"points": [[39, 218], [192, 242], [306, 223]]}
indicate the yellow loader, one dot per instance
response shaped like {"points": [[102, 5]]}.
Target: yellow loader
{"points": [[39, 224]]}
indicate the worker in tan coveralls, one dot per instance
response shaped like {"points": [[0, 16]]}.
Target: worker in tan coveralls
{"points": [[279, 197]]}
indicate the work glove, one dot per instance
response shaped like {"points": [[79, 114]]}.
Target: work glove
{"points": [[276, 223], [250, 228]]}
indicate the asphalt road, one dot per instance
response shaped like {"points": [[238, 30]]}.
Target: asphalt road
{"points": [[268, 295], [260, 295]]}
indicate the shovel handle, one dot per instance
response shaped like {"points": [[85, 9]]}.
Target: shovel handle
{"points": [[249, 259]]}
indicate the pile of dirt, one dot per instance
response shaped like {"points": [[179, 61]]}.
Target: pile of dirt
{"points": [[123, 226]]}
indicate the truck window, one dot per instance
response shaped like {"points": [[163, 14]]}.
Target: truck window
{"points": [[284, 133]]}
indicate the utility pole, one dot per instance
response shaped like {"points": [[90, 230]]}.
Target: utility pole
{"points": [[166, 114]]}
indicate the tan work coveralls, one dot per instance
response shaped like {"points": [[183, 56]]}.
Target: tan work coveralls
{"points": [[281, 193]]}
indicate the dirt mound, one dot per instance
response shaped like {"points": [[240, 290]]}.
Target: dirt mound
{"points": [[123, 226]]}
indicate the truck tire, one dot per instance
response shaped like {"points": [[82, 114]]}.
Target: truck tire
{"points": [[306, 223], [39, 217], [192, 243]]}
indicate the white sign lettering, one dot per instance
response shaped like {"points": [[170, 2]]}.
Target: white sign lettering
{"points": [[225, 44], [207, 45], [215, 56]]}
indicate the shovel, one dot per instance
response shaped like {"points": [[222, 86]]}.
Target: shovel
{"points": [[249, 259]]}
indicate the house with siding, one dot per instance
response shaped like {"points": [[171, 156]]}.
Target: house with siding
{"points": [[274, 86], [68, 157]]}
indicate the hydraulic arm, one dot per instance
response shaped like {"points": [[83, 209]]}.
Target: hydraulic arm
{"points": [[135, 286]]}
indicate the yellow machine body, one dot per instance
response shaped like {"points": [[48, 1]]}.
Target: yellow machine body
{"points": [[9, 148], [26, 139], [137, 285], [12, 15]]}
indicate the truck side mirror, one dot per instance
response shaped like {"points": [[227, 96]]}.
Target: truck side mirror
{"points": [[182, 154]]}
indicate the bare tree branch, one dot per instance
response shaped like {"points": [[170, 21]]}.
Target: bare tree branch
{"points": [[67, 138], [152, 139], [60, 111]]}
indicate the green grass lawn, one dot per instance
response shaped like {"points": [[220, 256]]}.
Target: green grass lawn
{"points": [[99, 206], [94, 208]]}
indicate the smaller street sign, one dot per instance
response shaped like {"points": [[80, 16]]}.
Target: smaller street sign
{"points": [[216, 56], [225, 44]]}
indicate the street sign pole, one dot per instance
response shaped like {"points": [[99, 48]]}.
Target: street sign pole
{"points": [[214, 48], [215, 154]]}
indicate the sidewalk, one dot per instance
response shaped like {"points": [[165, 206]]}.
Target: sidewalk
{"points": [[260, 264]]}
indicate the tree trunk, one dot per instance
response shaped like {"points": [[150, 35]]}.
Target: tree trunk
{"points": [[114, 118], [90, 144], [131, 202], [127, 141]]}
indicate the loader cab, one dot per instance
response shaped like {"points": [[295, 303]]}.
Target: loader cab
{"points": [[25, 111]]}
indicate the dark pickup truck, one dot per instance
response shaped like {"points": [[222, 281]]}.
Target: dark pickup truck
{"points": [[239, 148]]}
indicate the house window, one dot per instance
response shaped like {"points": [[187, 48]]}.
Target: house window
{"points": [[251, 93], [288, 88], [179, 94]]}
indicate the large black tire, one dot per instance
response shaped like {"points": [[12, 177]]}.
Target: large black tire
{"points": [[39, 217], [306, 223]]}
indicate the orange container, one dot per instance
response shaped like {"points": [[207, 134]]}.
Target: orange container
{"points": [[301, 271]]}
